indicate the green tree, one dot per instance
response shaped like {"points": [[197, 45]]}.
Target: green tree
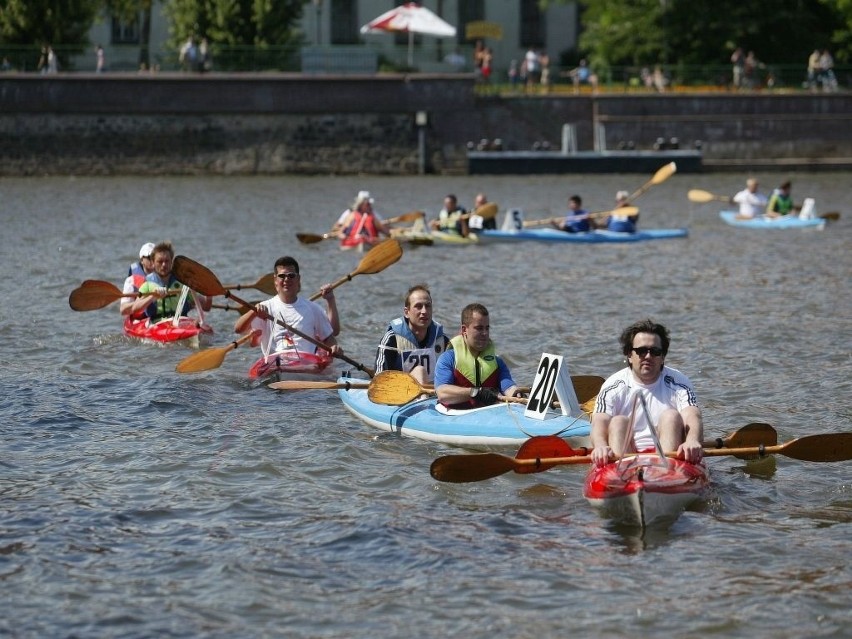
{"points": [[701, 32], [64, 24], [241, 33]]}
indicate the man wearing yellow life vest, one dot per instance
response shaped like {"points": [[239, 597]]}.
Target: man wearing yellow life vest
{"points": [[470, 374]]}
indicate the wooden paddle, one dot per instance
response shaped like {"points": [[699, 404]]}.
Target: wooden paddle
{"points": [[209, 358], [662, 174], [480, 466], [376, 260], [318, 385], [395, 388], [265, 284], [200, 278], [312, 238], [234, 307], [411, 216], [94, 294], [486, 212], [624, 211], [702, 197]]}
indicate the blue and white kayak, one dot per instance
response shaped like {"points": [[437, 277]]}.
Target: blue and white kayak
{"points": [[498, 425], [596, 236], [763, 222]]}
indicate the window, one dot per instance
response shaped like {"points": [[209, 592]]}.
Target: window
{"points": [[125, 32], [469, 11], [532, 24], [344, 22]]}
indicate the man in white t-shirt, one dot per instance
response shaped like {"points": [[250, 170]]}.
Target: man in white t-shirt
{"points": [[751, 202], [302, 314], [644, 395]]}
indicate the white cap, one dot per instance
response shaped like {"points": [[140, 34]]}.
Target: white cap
{"points": [[622, 195], [146, 250], [363, 196]]}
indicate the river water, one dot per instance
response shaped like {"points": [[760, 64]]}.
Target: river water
{"points": [[138, 502]]}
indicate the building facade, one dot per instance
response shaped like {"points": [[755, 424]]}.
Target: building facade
{"points": [[512, 27]]}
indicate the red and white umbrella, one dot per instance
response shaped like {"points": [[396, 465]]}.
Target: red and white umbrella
{"points": [[410, 18]]}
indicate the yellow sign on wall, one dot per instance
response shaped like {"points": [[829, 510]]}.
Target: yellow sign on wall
{"points": [[482, 29]]}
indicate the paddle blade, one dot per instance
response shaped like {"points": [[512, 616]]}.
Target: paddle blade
{"points": [[833, 447], [197, 276], [92, 295], [459, 469], [586, 387], [417, 241], [203, 360], [754, 434], [310, 238], [411, 216], [544, 447], [380, 257], [487, 211], [699, 196], [393, 388], [831, 216], [266, 284], [664, 173]]}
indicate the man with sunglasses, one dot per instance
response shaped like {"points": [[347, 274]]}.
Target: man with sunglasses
{"points": [[644, 399], [302, 314]]}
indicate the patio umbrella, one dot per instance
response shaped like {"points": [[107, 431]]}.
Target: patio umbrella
{"points": [[410, 18]]}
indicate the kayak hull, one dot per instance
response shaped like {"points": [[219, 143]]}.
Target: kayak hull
{"points": [[645, 491], [502, 424], [772, 223], [290, 362], [597, 236], [189, 332]]}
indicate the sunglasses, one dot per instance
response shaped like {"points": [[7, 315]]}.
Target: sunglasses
{"points": [[286, 276], [641, 351]]}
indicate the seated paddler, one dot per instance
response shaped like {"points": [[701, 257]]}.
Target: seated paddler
{"points": [[470, 374]]}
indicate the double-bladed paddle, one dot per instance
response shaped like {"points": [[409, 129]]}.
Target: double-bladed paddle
{"points": [[477, 467], [624, 211], [396, 388], [94, 294], [288, 384], [700, 196], [200, 278]]}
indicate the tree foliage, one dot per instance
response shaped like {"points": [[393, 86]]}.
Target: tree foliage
{"points": [[64, 24], [239, 31], [700, 32]]}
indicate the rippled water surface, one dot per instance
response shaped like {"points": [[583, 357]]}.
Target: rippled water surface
{"points": [[138, 502]]}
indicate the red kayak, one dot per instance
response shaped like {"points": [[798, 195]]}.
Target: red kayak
{"points": [[189, 331], [290, 362], [645, 490]]}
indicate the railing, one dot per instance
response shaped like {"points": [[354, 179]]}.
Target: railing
{"points": [[432, 57]]}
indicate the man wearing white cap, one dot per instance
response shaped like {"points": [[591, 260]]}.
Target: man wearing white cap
{"points": [[622, 223], [136, 276]]}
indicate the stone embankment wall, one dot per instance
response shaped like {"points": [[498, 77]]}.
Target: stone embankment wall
{"points": [[276, 124]]}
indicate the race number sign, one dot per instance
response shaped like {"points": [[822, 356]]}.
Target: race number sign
{"points": [[552, 377], [513, 221]]}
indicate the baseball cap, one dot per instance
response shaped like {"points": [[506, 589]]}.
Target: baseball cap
{"points": [[146, 250]]}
